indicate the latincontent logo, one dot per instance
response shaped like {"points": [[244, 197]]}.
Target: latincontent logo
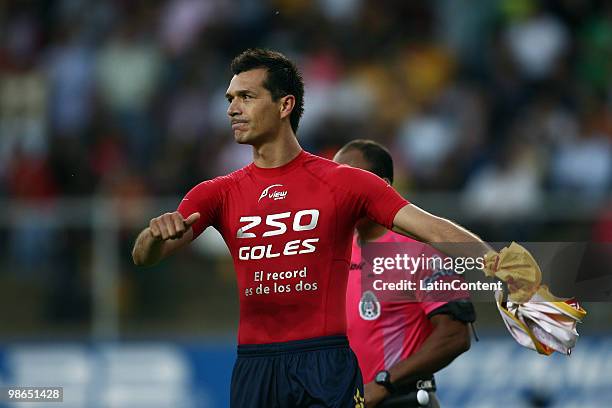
{"points": [[273, 193]]}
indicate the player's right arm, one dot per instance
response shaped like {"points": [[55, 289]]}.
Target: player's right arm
{"points": [[167, 233], [164, 235]]}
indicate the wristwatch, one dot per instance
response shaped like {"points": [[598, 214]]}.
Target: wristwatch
{"points": [[383, 378]]}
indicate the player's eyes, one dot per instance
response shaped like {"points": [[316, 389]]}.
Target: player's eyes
{"points": [[244, 97]]}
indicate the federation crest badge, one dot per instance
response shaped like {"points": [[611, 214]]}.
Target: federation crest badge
{"points": [[369, 306]]}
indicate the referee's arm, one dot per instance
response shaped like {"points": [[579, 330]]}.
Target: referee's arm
{"points": [[449, 339]]}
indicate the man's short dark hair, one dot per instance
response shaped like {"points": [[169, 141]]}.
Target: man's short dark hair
{"points": [[379, 158], [283, 77]]}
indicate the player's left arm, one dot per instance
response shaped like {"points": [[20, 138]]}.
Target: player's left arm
{"points": [[383, 205], [415, 222], [449, 339]]}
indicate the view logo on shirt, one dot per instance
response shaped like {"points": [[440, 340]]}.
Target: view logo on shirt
{"points": [[273, 193]]}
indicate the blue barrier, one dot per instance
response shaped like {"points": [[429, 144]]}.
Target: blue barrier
{"points": [[495, 372]]}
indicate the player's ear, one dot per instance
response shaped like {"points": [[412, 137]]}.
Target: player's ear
{"points": [[387, 180], [286, 105]]}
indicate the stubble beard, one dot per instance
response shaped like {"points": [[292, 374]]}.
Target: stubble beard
{"points": [[244, 137]]}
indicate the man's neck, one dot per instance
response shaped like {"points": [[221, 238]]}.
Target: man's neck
{"points": [[277, 152], [369, 231]]}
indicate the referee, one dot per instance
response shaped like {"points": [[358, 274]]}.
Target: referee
{"points": [[399, 344]]}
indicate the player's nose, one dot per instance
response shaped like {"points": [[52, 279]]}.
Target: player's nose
{"points": [[233, 109]]}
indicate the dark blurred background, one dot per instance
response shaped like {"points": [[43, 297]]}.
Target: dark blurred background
{"points": [[498, 114]]}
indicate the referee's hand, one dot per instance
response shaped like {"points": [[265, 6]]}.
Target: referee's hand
{"points": [[171, 225], [374, 394]]}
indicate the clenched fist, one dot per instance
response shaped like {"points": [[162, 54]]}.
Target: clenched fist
{"points": [[171, 225]]}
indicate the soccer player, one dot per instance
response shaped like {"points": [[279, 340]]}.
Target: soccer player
{"points": [[399, 344], [288, 220]]}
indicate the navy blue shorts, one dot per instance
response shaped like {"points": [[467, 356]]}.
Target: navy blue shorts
{"points": [[319, 372]]}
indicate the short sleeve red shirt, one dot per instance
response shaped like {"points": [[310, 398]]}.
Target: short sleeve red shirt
{"points": [[289, 231]]}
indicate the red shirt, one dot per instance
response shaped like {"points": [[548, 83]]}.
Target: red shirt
{"points": [[289, 231], [383, 333]]}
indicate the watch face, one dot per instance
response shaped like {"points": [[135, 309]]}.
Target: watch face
{"points": [[382, 377]]}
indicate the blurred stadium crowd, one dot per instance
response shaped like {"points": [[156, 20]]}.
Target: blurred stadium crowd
{"points": [[502, 101], [126, 97]]}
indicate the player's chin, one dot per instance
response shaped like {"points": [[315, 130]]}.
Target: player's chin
{"points": [[241, 137], [244, 137]]}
